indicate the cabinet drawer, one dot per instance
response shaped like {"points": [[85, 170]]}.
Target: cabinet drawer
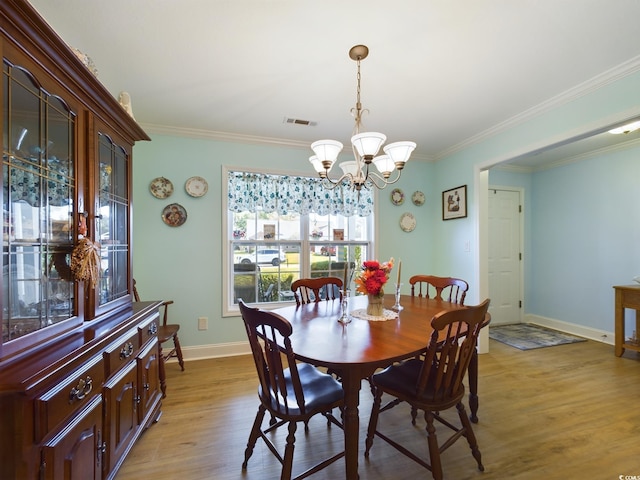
{"points": [[68, 396], [148, 329], [121, 351]]}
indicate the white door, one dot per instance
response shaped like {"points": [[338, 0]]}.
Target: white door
{"points": [[504, 256]]}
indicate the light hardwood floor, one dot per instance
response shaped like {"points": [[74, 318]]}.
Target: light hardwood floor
{"points": [[566, 412]]}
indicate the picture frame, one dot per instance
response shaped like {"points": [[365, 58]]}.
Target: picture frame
{"points": [[270, 231], [454, 203], [338, 234]]}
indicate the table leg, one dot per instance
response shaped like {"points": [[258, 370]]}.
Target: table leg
{"points": [[473, 386], [637, 324], [619, 326], [351, 385]]}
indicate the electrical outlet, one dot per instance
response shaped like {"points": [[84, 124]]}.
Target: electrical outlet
{"points": [[203, 323]]}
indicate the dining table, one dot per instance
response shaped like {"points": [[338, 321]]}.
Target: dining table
{"points": [[355, 350]]}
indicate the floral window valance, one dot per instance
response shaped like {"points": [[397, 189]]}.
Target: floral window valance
{"points": [[288, 194]]}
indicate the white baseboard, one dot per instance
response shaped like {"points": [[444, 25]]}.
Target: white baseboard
{"points": [[571, 328], [201, 352]]}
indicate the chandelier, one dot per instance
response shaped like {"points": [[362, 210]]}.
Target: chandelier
{"points": [[365, 148]]}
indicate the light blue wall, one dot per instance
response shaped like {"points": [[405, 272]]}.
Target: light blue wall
{"points": [[582, 233], [184, 263], [550, 222], [586, 237]]}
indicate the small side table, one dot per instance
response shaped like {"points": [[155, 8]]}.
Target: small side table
{"points": [[627, 296]]}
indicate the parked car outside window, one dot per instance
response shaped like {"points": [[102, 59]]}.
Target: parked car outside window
{"points": [[273, 256]]}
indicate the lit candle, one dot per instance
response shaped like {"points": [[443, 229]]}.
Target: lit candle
{"points": [[399, 269]]}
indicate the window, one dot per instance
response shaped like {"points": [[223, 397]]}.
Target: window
{"points": [[281, 228]]}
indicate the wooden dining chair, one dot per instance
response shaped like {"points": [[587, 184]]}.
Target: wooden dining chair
{"points": [[307, 290], [166, 331], [434, 384], [291, 392], [455, 289]]}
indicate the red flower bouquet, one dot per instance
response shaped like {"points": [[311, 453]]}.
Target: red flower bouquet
{"points": [[373, 277]]}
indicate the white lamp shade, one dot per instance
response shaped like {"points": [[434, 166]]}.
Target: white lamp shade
{"points": [[353, 169], [317, 164], [349, 168], [400, 151], [326, 150], [384, 164], [368, 143]]}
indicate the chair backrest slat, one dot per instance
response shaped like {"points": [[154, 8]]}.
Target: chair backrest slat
{"points": [[456, 288], [268, 335], [452, 344], [307, 290]]}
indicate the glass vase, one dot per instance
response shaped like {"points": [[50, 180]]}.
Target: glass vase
{"points": [[375, 308]]}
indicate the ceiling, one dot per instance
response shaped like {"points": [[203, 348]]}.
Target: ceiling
{"points": [[441, 73]]}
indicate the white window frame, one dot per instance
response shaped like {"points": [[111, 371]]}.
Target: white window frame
{"points": [[228, 307]]}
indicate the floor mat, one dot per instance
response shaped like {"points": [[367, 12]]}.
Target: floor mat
{"points": [[526, 336]]}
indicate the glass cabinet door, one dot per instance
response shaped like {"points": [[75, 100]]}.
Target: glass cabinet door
{"points": [[113, 220], [38, 203]]}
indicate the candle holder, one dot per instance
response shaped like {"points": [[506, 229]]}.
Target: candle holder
{"points": [[345, 318], [397, 307]]}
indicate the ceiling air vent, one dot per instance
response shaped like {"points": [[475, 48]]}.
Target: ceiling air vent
{"points": [[297, 121]]}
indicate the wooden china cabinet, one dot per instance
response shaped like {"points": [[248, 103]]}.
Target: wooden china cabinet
{"points": [[79, 363]]}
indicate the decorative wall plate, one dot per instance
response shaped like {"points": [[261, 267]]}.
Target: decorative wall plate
{"points": [[407, 222], [417, 198], [174, 215], [397, 196], [196, 186], [161, 187]]}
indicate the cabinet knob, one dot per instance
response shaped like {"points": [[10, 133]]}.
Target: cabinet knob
{"points": [[81, 390], [126, 351], [153, 328]]}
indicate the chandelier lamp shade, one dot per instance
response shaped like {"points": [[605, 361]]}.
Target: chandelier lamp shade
{"points": [[365, 146]]}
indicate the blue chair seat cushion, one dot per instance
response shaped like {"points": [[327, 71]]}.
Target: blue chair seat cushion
{"points": [[320, 389]]}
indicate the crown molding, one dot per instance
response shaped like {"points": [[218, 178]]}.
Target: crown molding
{"points": [[568, 160], [610, 76], [152, 128]]}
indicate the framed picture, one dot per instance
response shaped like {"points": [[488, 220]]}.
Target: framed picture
{"points": [[454, 203], [269, 231], [338, 234]]}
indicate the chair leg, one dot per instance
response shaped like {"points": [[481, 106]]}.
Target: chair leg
{"points": [[176, 343], [373, 421], [253, 437], [162, 373], [287, 464], [434, 450], [414, 415], [470, 436]]}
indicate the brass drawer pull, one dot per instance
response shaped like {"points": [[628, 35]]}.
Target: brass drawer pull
{"points": [[153, 328], [126, 351], [81, 390]]}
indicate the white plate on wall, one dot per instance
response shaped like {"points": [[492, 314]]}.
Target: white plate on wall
{"points": [[161, 187], [407, 222], [417, 198], [196, 186]]}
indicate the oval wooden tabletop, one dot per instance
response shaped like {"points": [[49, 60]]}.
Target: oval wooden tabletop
{"points": [[320, 339]]}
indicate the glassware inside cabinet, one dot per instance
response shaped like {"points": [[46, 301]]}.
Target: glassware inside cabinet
{"points": [[113, 220], [38, 200]]}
